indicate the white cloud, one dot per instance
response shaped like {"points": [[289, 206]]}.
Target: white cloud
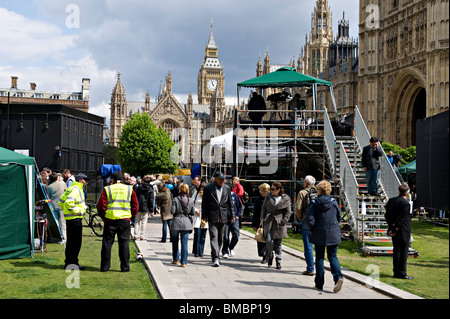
{"points": [[144, 39], [31, 40]]}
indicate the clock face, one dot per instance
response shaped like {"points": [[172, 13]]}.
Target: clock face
{"points": [[212, 84]]}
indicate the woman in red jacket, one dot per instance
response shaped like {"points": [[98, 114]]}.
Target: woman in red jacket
{"points": [[238, 189]]}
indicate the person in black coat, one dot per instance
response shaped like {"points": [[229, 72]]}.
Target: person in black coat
{"points": [[371, 164], [398, 218], [256, 103], [264, 189], [217, 210], [323, 217], [145, 195]]}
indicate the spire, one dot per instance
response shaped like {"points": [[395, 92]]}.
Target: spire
{"points": [[211, 43], [147, 102], [168, 87], [118, 88]]}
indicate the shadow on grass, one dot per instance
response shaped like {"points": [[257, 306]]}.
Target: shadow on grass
{"points": [[47, 265]]}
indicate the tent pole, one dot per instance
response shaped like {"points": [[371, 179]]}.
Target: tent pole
{"points": [[314, 89], [334, 102], [234, 167]]}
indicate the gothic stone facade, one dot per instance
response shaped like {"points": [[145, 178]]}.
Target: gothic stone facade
{"points": [[403, 66], [167, 112]]}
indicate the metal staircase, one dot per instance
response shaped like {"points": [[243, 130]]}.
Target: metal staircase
{"points": [[364, 214]]}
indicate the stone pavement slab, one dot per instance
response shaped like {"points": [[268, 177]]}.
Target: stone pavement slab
{"points": [[243, 276]]}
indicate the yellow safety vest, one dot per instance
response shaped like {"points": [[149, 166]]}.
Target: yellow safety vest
{"points": [[73, 202], [119, 201]]}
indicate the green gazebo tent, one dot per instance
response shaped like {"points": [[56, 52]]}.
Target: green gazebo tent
{"points": [[283, 77], [288, 77], [17, 193], [409, 168]]}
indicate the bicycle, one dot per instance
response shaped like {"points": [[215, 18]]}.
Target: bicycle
{"points": [[41, 222], [94, 221]]}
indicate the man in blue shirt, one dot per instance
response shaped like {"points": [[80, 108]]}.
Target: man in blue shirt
{"points": [[232, 228]]}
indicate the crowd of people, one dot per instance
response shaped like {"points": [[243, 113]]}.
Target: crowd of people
{"points": [[213, 208]]}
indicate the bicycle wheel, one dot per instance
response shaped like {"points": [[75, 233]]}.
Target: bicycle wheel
{"points": [[97, 225]]}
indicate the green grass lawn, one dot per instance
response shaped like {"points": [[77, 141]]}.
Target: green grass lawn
{"points": [[44, 276], [430, 269]]}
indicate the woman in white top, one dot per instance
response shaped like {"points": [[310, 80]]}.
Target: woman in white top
{"points": [[200, 227]]}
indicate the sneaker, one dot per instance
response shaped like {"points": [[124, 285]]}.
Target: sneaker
{"points": [[175, 262], [338, 285], [216, 263], [232, 253], [183, 265], [225, 255], [308, 273]]}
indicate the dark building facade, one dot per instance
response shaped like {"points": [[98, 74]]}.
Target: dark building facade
{"points": [[57, 136]]}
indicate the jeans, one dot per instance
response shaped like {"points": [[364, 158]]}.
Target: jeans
{"points": [[183, 235], [233, 228], [59, 215], [372, 180], [308, 247], [334, 264], [164, 229], [199, 241]]}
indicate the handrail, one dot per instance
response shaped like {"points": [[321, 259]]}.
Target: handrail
{"points": [[330, 140], [349, 183], [388, 178]]}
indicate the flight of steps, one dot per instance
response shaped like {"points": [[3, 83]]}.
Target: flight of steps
{"points": [[372, 226]]}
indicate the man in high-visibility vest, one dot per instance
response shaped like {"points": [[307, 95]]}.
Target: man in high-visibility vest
{"points": [[73, 205], [117, 204]]}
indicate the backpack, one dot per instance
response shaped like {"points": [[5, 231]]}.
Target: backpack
{"points": [[312, 194]]}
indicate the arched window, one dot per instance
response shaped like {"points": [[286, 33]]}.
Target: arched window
{"points": [[313, 62], [169, 126]]}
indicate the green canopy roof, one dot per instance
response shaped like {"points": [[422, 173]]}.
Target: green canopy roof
{"points": [[283, 77], [7, 156], [408, 168]]}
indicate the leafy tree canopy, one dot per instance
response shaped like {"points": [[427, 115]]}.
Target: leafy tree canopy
{"points": [[408, 154], [145, 149]]}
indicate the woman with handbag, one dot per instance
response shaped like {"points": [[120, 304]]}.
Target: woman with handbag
{"points": [[183, 210], [275, 212], [264, 189], [200, 225]]}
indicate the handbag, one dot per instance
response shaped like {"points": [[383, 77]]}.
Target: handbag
{"points": [[259, 236]]}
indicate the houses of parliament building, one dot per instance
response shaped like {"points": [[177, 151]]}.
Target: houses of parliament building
{"points": [[167, 112], [396, 72]]}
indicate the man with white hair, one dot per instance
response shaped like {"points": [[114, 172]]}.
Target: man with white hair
{"points": [[304, 198]]}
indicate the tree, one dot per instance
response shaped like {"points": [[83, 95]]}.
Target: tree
{"points": [[110, 154], [408, 154], [145, 149]]}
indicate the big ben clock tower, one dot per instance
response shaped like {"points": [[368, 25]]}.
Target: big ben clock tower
{"points": [[211, 73]]}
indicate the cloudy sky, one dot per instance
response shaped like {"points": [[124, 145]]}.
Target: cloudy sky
{"points": [[42, 42]]}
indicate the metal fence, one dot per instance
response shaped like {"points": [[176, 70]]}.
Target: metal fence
{"points": [[349, 184], [330, 141]]}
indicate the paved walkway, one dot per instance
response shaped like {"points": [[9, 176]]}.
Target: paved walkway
{"points": [[243, 276]]}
